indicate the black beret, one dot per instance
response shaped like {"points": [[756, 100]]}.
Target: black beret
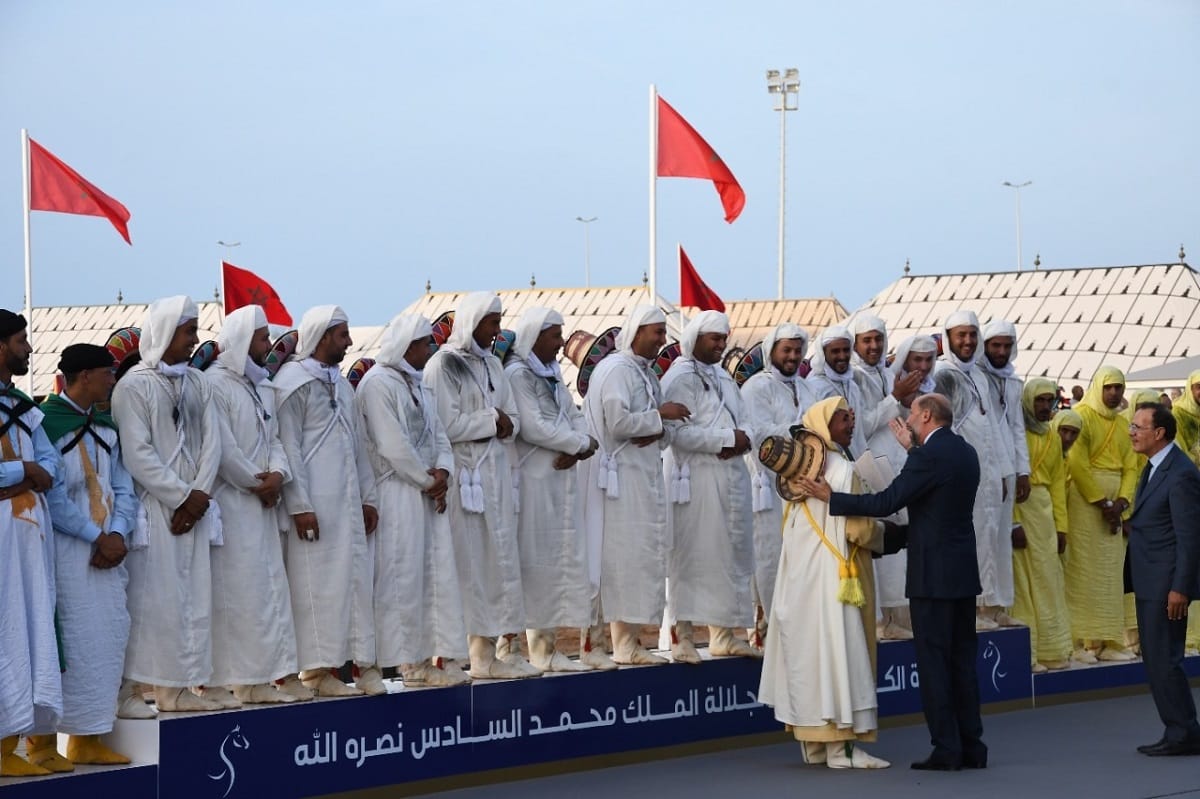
{"points": [[10, 323], [79, 357]]}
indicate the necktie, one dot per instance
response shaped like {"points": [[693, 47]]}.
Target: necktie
{"points": [[1145, 478]]}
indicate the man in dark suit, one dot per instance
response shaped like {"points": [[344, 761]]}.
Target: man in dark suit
{"points": [[937, 485], [1162, 569]]}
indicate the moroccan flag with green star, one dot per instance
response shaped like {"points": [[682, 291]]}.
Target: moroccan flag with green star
{"points": [[54, 186], [243, 287], [683, 153]]}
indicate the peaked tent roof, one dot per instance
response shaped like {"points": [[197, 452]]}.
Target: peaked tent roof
{"points": [[1069, 321]]}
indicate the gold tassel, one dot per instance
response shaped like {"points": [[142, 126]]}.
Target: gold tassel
{"points": [[850, 590]]}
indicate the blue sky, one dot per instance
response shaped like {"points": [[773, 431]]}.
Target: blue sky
{"points": [[358, 149]]}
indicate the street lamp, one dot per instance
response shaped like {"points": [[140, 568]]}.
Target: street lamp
{"points": [[783, 86], [587, 249], [229, 245], [1017, 188]]}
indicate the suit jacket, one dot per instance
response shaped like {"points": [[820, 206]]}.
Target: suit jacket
{"points": [[1164, 532], [937, 485]]}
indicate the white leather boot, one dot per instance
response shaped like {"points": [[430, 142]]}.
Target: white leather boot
{"points": [[628, 649], [683, 648], [723, 643], [544, 654], [591, 649]]}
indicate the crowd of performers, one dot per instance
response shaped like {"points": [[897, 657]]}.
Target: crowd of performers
{"points": [[235, 534]]}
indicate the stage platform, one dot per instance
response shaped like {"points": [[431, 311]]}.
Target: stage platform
{"points": [[412, 735]]}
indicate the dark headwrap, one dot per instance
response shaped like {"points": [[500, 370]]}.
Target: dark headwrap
{"points": [[10, 323], [78, 357]]}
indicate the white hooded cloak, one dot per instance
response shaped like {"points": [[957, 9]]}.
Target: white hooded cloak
{"points": [[254, 638], [171, 446], [418, 605], [469, 385]]}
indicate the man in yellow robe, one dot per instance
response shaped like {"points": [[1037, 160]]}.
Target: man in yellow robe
{"points": [[1040, 534], [1104, 474]]}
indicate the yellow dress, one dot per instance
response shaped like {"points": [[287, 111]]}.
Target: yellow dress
{"points": [[1102, 466], [1040, 596]]}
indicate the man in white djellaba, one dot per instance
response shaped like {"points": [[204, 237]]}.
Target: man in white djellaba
{"points": [[775, 400], [553, 438], [171, 446], [331, 501], [626, 504], [712, 552], [959, 377], [94, 510], [819, 662], [418, 604], [998, 350], [832, 376], [31, 698], [476, 406], [254, 639], [914, 361]]}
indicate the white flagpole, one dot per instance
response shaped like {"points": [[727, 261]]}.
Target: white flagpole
{"points": [[653, 268], [25, 190], [679, 271]]}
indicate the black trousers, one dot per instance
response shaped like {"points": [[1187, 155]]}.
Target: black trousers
{"points": [[944, 636], [1162, 654]]}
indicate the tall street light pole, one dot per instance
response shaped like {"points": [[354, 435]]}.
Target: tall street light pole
{"points": [[587, 249], [1016, 187], [784, 86]]}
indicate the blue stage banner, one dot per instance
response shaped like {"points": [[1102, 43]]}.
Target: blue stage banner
{"points": [[340, 745], [1003, 667]]}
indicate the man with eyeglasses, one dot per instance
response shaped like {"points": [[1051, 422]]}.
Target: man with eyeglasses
{"points": [[1162, 570]]}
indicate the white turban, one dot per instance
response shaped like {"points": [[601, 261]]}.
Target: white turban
{"points": [[994, 328], [313, 325], [914, 344], [817, 359], [783, 332], [529, 326], [865, 323], [468, 315], [962, 318], [701, 323], [159, 324], [640, 316], [236, 333], [401, 332]]}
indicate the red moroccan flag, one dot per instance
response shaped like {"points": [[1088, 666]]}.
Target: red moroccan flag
{"points": [[694, 292], [243, 287], [683, 153], [54, 186]]}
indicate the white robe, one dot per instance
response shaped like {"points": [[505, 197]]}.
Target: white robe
{"points": [[978, 423], [330, 579], [254, 639], [30, 689], [468, 390], [712, 551], [92, 608], [1005, 396], [170, 582], [817, 667], [550, 529], [774, 406], [879, 408], [418, 605], [627, 532]]}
